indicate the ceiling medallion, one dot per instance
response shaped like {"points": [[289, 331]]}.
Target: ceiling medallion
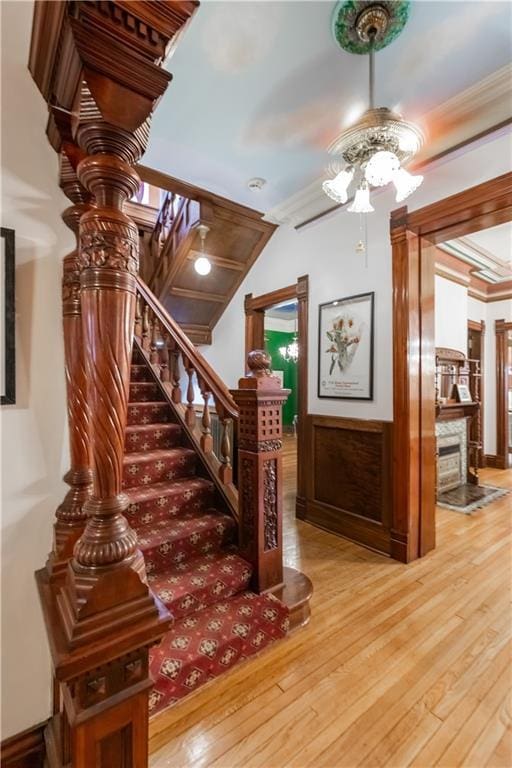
{"points": [[381, 142]]}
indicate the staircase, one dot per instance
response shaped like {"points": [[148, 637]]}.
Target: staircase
{"points": [[188, 538]]}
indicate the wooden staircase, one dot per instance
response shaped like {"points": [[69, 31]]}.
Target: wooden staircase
{"points": [[171, 532], [237, 235]]}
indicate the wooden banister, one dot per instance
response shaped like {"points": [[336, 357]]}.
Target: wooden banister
{"points": [[184, 373]]}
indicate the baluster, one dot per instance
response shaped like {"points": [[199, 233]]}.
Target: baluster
{"points": [[175, 374], [155, 335], [164, 359], [225, 470], [145, 329], [138, 317], [206, 423], [190, 414]]}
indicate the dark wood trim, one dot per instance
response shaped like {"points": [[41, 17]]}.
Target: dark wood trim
{"points": [[494, 462], [479, 328], [255, 307], [412, 237], [501, 330], [339, 518], [25, 749], [185, 189], [9, 302]]}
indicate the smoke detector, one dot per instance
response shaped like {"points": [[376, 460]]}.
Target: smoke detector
{"points": [[256, 184]]}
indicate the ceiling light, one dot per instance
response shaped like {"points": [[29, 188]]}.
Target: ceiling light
{"points": [[202, 264], [405, 184], [336, 188], [361, 203], [381, 141], [381, 167]]}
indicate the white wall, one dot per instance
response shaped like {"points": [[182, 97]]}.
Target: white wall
{"points": [[451, 315], [34, 430], [326, 251]]}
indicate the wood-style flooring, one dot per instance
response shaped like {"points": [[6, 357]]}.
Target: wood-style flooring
{"points": [[400, 665]]}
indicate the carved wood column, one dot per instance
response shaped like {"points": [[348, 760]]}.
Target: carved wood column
{"points": [[70, 515], [260, 486], [106, 554]]}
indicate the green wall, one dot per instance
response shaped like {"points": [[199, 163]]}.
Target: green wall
{"points": [[274, 340]]}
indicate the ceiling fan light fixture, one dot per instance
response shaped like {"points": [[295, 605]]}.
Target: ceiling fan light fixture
{"points": [[337, 188], [378, 144], [405, 184], [361, 203], [381, 168]]}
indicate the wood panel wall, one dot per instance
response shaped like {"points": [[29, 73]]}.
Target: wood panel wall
{"points": [[348, 478]]}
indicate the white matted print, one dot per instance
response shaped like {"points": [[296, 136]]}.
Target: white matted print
{"points": [[345, 353]]}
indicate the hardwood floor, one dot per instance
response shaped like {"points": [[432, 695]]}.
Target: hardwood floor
{"points": [[401, 665]]}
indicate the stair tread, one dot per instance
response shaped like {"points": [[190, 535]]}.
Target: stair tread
{"points": [[176, 529], [190, 585], [167, 488], [202, 646]]}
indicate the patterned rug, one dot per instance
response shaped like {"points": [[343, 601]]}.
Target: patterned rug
{"points": [[188, 545], [467, 498]]}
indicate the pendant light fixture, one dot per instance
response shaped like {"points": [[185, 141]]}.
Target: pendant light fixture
{"points": [[202, 264], [375, 148]]}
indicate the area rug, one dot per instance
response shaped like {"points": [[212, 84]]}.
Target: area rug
{"points": [[467, 498]]}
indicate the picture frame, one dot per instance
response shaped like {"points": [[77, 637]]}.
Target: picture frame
{"points": [[462, 393], [346, 348], [7, 318]]}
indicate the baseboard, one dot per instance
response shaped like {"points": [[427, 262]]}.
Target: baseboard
{"points": [[494, 462], [24, 750]]}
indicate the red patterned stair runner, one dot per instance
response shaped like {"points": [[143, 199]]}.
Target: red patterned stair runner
{"points": [[191, 560]]}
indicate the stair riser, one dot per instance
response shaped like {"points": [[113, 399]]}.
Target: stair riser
{"points": [[148, 413], [167, 507], [140, 373], [170, 553], [165, 468], [145, 392], [149, 440]]}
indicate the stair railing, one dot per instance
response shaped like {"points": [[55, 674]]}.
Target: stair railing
{"points": [[186, 376], [177, 217]]}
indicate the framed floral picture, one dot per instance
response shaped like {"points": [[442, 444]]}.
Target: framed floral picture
{"points": [[345, 348]]}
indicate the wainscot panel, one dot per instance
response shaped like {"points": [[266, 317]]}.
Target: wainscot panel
{"points": [[349, 478]]}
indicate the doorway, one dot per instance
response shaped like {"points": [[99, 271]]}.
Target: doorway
{"points": [[262, 314], [414, 237]]}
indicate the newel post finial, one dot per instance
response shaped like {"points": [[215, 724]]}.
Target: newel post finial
{"points": [[260, 400]]}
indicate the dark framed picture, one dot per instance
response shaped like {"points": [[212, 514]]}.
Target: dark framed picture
{"points": [[462, 393], [7, 319], [345, 348]]}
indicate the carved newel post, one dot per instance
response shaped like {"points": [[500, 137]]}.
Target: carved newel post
{"points": [[260, 401], [70, 515], [106, 586]]}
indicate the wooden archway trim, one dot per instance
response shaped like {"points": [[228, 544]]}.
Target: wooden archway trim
{"points": [[255, 307], [413, 236], [502, 329]]}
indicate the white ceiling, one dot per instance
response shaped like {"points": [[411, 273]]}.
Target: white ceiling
{"points": [[260, 88], [495, 240]]}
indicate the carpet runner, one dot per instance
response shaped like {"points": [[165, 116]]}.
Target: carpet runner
{"points": [[191, 559]]}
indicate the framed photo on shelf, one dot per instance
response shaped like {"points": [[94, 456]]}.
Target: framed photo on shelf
{"points": [[345, 348], [7, 319], [462, 393]]}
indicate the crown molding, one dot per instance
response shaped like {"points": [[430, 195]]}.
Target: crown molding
{"points": [[480, 110]]}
